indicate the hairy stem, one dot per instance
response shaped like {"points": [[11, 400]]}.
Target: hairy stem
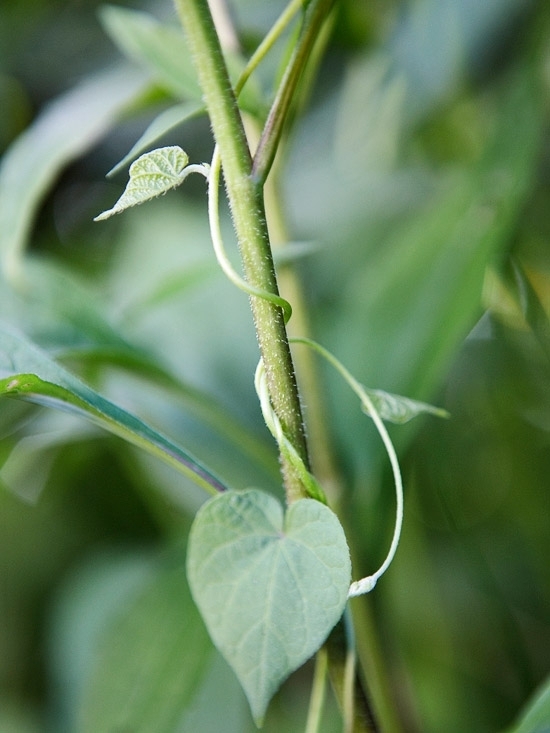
{"points": [[247, 209]]}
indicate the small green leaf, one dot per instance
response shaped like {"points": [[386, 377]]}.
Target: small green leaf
{"points": [[269, 587], [151, 175], [397, 409], [28, 372]]}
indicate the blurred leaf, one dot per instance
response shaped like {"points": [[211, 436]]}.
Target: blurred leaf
{"points": [[536, 716], [161, 49], [173, 687], [58, 309], [67, 128], [435, 41], [27, 468], [151, 175], [65, 316], [270, 588], [18, 718], [116, 606], [29, 373], [178, 281], [530, 305], [408, 300], [165, 122]]}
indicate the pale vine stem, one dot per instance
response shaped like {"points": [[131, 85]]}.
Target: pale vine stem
{"points": [[317, 698], [367, 584], [350, 670]]}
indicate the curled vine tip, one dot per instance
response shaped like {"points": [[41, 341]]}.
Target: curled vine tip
{"points": [[311, 485], [360, 587], [153, 174]]}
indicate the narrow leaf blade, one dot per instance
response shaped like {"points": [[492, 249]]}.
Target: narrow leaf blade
{"points": [[28, 372], [165, 122]]}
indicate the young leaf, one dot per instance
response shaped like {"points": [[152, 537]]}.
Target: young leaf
{"points": [[28, 372], [151, 175], [269, 587], [399, 409]]}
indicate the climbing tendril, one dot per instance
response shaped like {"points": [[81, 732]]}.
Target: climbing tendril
{"points": [[313, 488]]}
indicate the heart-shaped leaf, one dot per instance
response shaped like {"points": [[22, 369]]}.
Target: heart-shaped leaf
{"points": [[270, 587]]}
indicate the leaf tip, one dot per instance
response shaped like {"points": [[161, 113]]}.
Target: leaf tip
{"points": [[104, 215]]}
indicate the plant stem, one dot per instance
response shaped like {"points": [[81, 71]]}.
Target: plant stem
{"points": [[314, 18], [317, 699], [247, 209]]}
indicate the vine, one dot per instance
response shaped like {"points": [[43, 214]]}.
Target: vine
{"points": [[155, 173]]}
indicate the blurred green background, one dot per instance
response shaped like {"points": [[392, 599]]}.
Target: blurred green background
{"points": [[420, 175]]}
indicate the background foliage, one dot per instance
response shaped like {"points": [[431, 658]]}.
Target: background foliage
{"points": [[419, 175]]}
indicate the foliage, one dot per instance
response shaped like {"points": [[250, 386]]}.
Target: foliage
{"points": [[412, 159]]}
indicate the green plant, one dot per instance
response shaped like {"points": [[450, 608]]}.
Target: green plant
{"points": [[272, 586]]}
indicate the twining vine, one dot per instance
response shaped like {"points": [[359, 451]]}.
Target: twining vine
{"points": [[159, 171]]}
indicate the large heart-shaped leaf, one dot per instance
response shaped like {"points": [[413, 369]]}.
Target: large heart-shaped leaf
{"points": [[270, 587]]}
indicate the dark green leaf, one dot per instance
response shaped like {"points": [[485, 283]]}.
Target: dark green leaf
{"points": [[27, 372]]}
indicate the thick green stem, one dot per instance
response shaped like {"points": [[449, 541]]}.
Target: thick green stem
{"points": [[247, 209]]}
